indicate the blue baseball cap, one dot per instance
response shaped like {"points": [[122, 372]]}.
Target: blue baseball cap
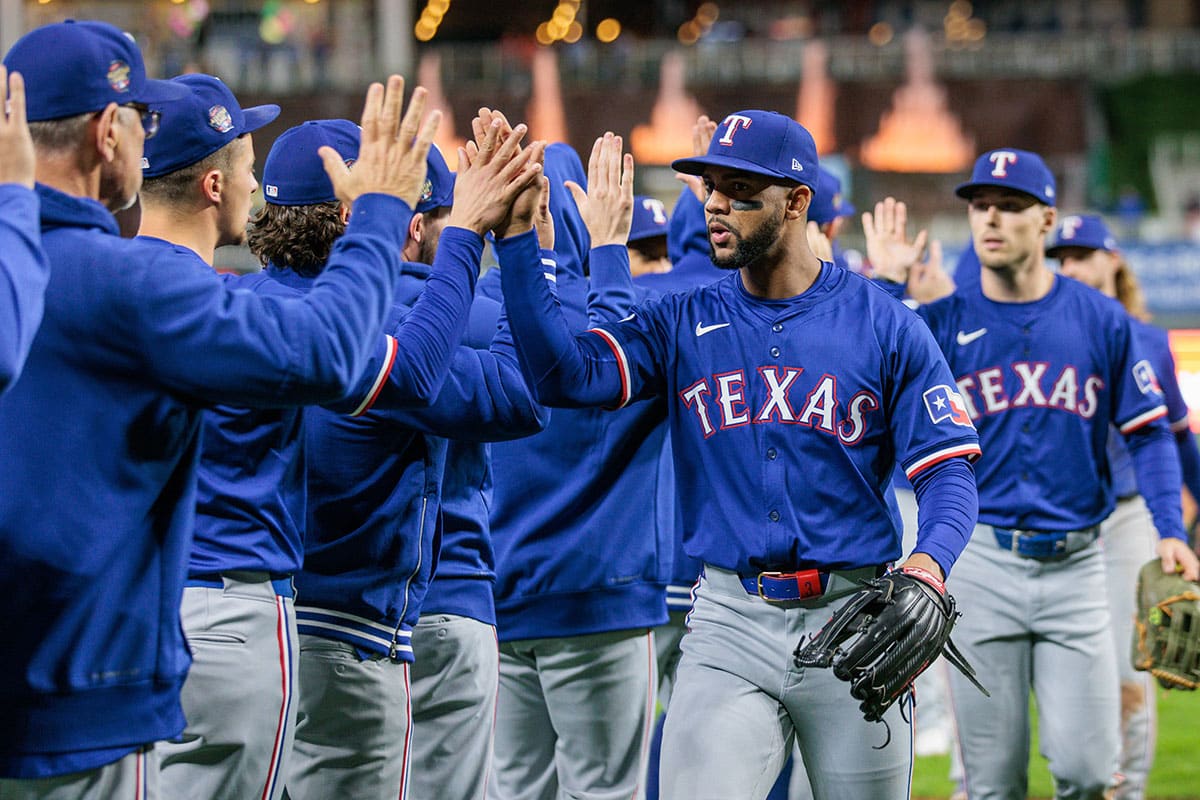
{"points": [[1009, 168], [73, 68], [199, 124], [649, 218], [438, 189], [1081, 230], [294, 174], [762, 142], [828, 203]]}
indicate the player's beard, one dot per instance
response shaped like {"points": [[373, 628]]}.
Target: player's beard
{"points": [[750, 248]]}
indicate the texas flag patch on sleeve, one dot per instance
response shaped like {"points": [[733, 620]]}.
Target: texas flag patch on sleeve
{"points": [[943, 403]]}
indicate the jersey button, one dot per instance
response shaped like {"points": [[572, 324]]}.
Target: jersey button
{"points": [[773, 516], [774, 352], [777, 327], [772, 454]]}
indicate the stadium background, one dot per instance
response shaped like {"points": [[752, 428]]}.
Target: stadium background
{"points": [[901, 94]]}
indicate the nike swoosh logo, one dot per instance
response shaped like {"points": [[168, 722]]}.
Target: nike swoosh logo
{"points": [[630, 317], [965, 339], [702, 329]]}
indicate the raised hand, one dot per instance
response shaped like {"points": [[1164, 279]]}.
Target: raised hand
{"points": [[543, 220], [491, 175], [818, 242], [702, 134], [927, 281], [391, 156], [16, 147], [530, 206], [889, 250], [607, 205]]}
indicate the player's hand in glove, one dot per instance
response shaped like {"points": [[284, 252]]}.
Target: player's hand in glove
{"points": [[1166, 633], [885, 636]]}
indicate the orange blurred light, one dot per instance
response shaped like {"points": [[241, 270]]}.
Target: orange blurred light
{"points": [[880, 34], [707, 13], [543, 35], [608, 30], [574, 33]]}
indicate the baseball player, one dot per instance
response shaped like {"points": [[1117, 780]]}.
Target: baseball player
{"points": [[99, 438], [247, 541], [23, 268], [374, 516], [455, 674], [581, 562], [762, 398], [1088, 253], [1031, 580]]}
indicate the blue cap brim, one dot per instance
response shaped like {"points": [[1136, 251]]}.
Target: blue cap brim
{"points": [[695, 166], [259, 116], [845, 209], [965, 190], [154, 92]]}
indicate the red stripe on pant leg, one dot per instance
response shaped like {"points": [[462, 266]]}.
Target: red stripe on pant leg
{"points": [[651, 693], [139, 775], [407, 734], [281, 637]]}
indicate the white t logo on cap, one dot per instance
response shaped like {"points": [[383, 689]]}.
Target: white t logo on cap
{"points": [[1069, 226], [1001, 159], [656, 208], [734, 121]]}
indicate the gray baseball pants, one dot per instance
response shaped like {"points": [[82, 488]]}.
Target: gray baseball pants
{"points": [[740, 703], [1040, 626], [454, 684]]}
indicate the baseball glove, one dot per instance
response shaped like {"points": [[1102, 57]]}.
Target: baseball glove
{"points": [[1166, 633], [885, 636]]}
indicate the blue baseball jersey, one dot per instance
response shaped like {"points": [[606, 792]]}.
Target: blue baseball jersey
{"points": [[1156, 348], [786, 416], [1042, 381], [24, 273]]}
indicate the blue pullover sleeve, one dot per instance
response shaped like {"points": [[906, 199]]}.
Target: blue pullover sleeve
{"points": [[419, 361], [485, 397], [947, 508], [236, 347], [24, 272], [1189, 461], [564, 369], [611, 293], [1158, 476]]}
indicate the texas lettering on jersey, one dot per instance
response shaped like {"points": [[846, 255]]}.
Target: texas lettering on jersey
{"points": [[778, 394], [1066, 389]]}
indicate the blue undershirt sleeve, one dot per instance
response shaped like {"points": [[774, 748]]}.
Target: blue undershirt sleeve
{"points": [[563, 369], [947, 508], [1156, 464]]}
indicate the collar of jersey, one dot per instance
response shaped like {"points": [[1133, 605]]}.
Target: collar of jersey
{"points": [[827, 281]]}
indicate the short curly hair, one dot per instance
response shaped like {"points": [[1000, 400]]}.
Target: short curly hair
{"points": [[297, 237]]}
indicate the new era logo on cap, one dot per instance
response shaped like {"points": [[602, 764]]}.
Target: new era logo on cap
{"points": [[1010, 168], [761, 142]]}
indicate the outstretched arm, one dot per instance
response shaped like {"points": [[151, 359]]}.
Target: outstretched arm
{"points": [[24, 270]]}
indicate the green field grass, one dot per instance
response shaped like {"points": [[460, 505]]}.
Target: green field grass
{"points": [[1176, 773]]}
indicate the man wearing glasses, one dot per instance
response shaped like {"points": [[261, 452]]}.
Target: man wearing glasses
{"points": [[100, 436]]}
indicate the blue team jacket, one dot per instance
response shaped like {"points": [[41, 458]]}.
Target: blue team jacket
{"points": [[24, 272], [251, 488], [374, 531], [578, 550], [98, 451]]}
